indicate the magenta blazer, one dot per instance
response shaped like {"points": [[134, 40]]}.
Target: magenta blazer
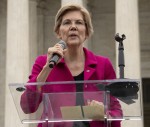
{"points": [[96, 68]]}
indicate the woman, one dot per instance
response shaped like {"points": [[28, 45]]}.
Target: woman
{"points": [[73, 26]]}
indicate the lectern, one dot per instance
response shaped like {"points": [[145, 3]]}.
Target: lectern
{"points": [[53, 105]]}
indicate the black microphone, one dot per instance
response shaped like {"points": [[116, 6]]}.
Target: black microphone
{"points": [[55, 56]]}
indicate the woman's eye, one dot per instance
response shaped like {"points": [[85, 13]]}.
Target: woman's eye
{"points": [[66, 23], [80, 22], [76, 22]]}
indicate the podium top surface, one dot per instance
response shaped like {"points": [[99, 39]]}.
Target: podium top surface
{"points": [[76, 82]]}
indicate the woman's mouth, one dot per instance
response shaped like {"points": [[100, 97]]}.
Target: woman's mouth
{"points": [[73, 35]]}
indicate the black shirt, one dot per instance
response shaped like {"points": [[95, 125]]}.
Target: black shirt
{"points": [[79, 99]]}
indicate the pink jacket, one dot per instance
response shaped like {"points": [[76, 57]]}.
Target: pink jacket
{"points": [[96, 68]]}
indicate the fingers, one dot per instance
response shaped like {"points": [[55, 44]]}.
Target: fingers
{"points": [[64, 51], [56, 49], [94, 103]]}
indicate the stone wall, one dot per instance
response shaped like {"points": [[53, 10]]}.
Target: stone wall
{"points": [[2, 58], [144, 22], [46, 15], [103, 17]]}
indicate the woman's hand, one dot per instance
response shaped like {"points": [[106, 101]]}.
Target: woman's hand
{"points": [[57, 49], [94, 103], [46, 69]]}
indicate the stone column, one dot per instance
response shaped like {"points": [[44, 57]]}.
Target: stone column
{"points": [[127, 23], [17, 59]]}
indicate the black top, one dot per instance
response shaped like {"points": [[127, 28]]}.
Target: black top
{"points": [[79, 99], [79, 89]]}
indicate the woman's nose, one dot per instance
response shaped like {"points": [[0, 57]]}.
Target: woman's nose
{"points": [[73, 26]]}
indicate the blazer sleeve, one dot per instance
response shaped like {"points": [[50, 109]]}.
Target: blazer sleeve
{"points": [[37, 67], [115, 107], [31, 98]]}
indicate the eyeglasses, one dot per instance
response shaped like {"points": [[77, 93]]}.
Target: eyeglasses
{"points": [[69, 22]]}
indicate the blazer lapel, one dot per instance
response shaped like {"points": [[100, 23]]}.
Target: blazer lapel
{"points": [[90, 64], [88, 73]]}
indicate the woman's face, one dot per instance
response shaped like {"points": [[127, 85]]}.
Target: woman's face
{"points": [[72, 29]]}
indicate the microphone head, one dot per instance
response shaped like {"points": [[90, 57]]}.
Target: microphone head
{"points": [[118, 38], [63, 44]]}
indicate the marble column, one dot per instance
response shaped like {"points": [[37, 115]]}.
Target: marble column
{"points": [[127, 22], [17, 58]]}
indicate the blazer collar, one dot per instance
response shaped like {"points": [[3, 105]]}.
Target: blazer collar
{"points": [[90, 64], [90, 59]]}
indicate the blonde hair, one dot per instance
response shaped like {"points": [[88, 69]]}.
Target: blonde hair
{"points": [[74, 7]]}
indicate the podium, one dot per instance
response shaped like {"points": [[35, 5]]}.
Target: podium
{"points": [[103, 102]]}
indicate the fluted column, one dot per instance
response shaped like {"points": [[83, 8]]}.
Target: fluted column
{"points": [[127, 23], [17, 59]]}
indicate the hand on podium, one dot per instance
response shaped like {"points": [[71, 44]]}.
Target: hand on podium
{"points": [[94, 103], [93, 110]]}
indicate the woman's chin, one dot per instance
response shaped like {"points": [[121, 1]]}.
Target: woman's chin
{"points": [[73, 42]]}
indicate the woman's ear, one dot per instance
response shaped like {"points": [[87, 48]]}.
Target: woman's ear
{"points": [[86, 37], [58, 35]]}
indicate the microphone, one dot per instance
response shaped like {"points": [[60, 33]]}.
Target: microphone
{"points": [[55, 56]]}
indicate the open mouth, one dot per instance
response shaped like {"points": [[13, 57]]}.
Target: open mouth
{"points": [[73, 35]]}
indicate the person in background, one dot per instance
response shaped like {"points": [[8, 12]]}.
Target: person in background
{"points": [[73, 26]]}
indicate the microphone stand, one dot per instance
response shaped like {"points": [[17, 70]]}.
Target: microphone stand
{"points": [[123, 90], [121, 54]]}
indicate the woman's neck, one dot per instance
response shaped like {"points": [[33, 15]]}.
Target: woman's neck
{"points": [[74, 55], [75, 60]]}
